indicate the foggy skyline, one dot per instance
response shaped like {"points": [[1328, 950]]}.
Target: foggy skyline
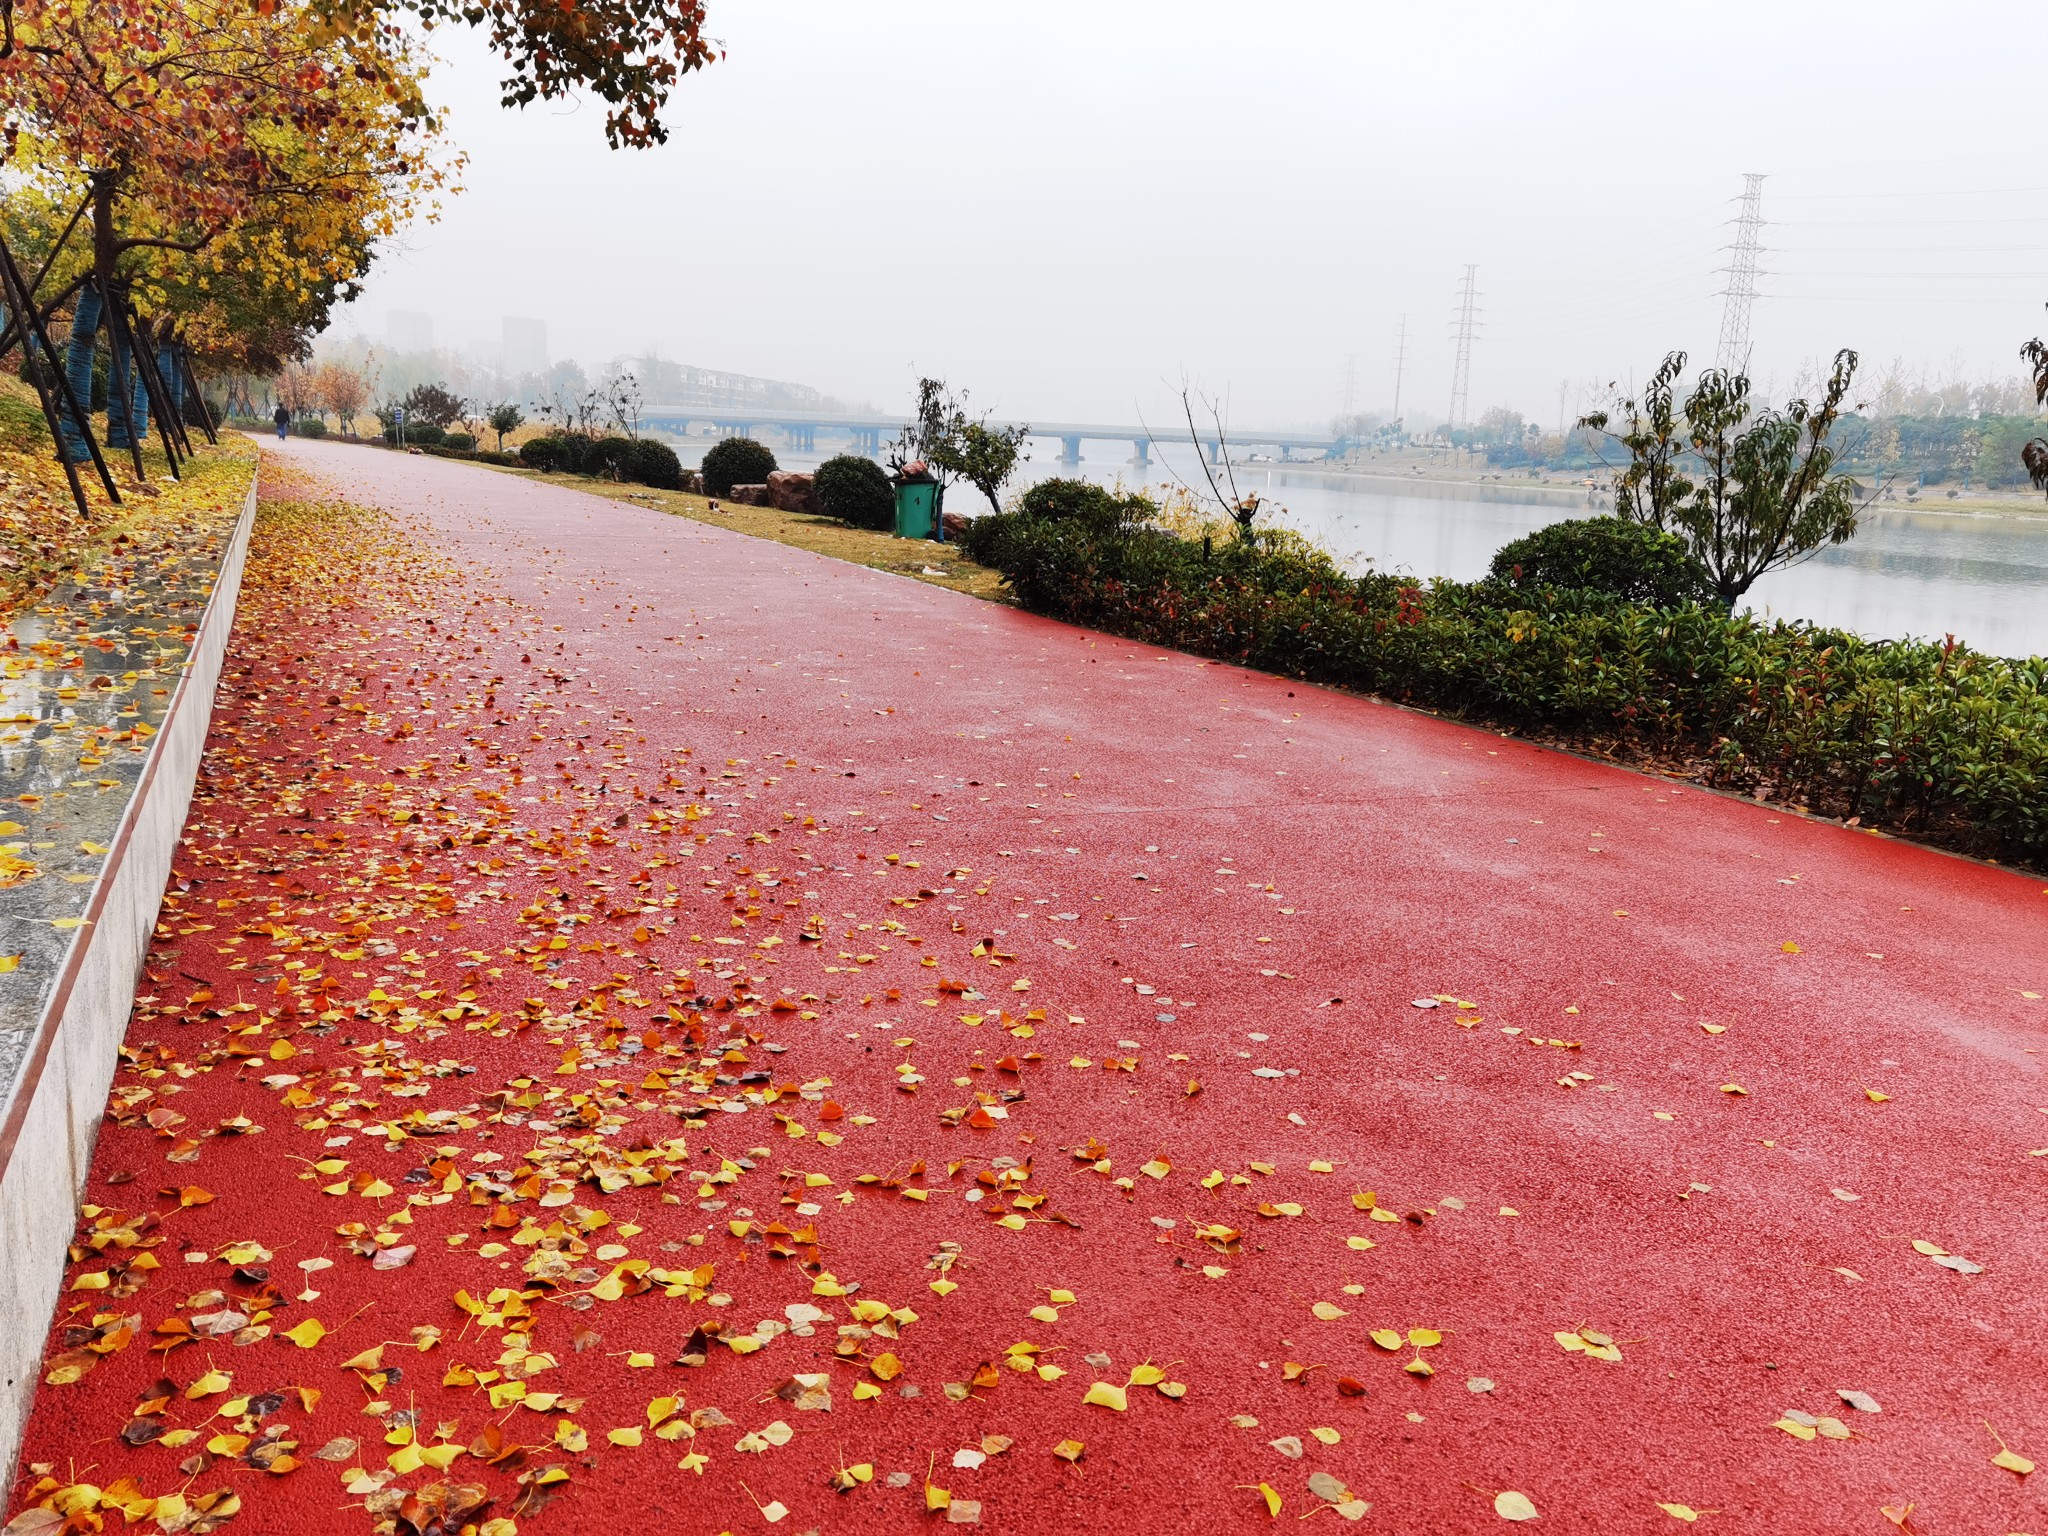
{"points": [[1064, 209]]}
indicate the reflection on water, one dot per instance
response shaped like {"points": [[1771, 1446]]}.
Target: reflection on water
{"points": [[1906, 573]]}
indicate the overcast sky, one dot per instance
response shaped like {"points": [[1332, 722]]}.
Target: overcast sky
{"points": [[1065, 207]]}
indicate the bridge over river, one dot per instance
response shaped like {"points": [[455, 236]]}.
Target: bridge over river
{"points": [[866, 434]]}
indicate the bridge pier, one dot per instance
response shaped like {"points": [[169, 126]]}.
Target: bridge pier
{"points": [[1215, 451], [1070, 450], [1141, 452]]}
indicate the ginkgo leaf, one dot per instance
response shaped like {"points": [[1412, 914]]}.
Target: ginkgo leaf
{"points": [[307, 1334], [1104, 1395]]}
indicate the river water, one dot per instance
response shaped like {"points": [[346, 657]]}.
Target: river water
{"points": [[1919, 573]]}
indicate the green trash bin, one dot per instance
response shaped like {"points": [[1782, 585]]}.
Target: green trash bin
{"points": [[917, 504]]}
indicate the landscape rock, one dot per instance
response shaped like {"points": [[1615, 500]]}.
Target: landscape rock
{"points": [[750, 496], [791, 490]]}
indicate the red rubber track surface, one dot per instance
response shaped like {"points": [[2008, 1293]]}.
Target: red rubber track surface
{"points": [[1284, 869]]}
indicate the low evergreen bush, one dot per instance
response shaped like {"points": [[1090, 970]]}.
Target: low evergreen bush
{"points": [[856, 491], [1606, 554], [735, 461], [311, 426], [652, 463], [1060, 500], [458, 440]]}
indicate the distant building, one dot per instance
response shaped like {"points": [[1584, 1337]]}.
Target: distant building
{"points": [[679, 386], [411, 331], [525, 349]]}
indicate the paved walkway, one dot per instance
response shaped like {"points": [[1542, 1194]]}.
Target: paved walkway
{"points": [[1112, 1081]]}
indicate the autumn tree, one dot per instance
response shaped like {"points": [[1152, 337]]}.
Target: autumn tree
{"points": [[631, 54], [342, 390], [434, 403]]}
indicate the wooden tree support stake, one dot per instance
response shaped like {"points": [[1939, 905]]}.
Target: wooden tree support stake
{"points": [[19, 298]]}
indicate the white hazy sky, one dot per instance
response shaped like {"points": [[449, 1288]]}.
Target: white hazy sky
{"points": [[1064, 206]]}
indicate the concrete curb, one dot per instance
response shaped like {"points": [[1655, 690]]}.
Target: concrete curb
{"points": [[49, 1123]]}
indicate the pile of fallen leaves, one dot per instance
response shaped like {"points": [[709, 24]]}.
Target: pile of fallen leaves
{"points": [[44, 540]]}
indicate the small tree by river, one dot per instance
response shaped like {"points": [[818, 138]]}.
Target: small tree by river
{"points": [[1749, 489]]}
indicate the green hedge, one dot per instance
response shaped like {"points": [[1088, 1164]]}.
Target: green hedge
{"points": [[1935, 740], [856, 490], [639, 460]]}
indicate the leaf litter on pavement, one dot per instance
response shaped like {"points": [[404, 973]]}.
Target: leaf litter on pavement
{"points": [[541, 1073]]}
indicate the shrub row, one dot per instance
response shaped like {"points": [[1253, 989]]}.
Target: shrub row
{"points": [[1932, 739], [636, 459]]}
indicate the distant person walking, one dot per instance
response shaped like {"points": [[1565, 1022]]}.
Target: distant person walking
{"points": [[283, 418]]}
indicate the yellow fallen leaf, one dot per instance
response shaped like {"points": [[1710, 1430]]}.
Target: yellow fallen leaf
{"points": [[1510, 1505], [207, 1385], [1386, 1338], [1795, 1429], [1358, 1244], [1103, 1395], [2013, 1461], [1683, 1512], [1788, 947], [628, 1436], [8, 963], [1326, 1435], [1329, 1311], [886, 1367], [1272, 1499], [1875, 1097], [1424, 1338], [308, 1333]]}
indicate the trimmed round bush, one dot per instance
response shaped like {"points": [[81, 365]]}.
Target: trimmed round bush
{"points": [[655, 464], [542, 453], [1083, 501], [736, 461], [856, 491], [311, 426], [1611, 555], [608, 456], [462, 440]]}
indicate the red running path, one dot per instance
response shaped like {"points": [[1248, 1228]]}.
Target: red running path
{"points": [[1205, 876]]}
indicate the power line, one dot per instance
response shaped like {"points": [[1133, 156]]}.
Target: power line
{"points": [[1461, 371], [1732, 356]]}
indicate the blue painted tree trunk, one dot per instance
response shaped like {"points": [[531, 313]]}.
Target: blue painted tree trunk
{"points": [[169, 367], [127, 399], [85, 328]]}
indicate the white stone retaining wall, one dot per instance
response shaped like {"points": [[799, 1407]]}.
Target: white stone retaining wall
{"points": [[51, 1112]]}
